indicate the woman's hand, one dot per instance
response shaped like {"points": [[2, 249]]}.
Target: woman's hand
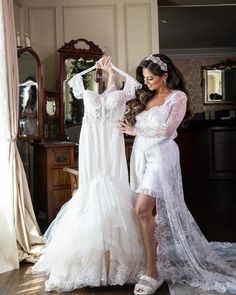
{"points": [[104, 63], [125, 127]]}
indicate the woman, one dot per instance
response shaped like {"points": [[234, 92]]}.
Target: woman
{"points": [[176, 250], [30, 113], [95, 239]]}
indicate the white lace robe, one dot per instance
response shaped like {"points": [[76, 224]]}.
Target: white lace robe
{"points": [[184, 254]]}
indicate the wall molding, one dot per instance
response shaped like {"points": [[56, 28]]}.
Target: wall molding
{"points": [[147, 6], [45, 8], [199, 52], [113, 8]]}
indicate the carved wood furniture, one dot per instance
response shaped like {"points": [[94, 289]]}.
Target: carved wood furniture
{"points": [[51, 117], [128, 149], [74, 178], [218, 83], [52, 187], [208, 163]]}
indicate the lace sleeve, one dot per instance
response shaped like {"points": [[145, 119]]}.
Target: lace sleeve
{"points": [[131, 86], [166, 130], [77, 85]]}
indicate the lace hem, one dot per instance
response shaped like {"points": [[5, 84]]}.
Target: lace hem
{"points": [[202, 286], [118, 275]]}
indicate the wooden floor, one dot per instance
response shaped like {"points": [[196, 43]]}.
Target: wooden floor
{"points": [[22, 282]]}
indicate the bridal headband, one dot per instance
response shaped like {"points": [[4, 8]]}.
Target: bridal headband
{"points": [[157, 60]]}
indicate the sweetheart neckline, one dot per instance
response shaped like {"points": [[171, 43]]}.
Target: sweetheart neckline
{"points": [[159, 106]]}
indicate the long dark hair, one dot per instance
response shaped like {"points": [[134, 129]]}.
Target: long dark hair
{"points": [[174, 81], [32, 97]]}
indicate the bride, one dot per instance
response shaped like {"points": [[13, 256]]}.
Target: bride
{"points": [[95, 239], [176, 249]]}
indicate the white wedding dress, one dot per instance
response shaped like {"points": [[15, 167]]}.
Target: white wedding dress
{"points": [[95, 238], [183, 253]]}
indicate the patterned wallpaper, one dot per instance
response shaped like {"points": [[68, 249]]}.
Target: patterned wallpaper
{"points": [[191, 69]]}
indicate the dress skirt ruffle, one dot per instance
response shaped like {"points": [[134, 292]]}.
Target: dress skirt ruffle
{"points": [[95, 239]]}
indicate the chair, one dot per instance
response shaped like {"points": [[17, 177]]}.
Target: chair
{"points": [[74, 178]]}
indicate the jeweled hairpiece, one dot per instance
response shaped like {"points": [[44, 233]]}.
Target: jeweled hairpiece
{"points": [[158, 61]]}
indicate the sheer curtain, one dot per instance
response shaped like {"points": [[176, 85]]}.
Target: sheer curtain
{"points": [[18, 224], [8, 246]]}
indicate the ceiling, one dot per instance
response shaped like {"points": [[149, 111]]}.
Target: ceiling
{"points": [[197, 24]]}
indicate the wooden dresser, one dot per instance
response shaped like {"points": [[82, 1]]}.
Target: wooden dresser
{"points": [[128, 148], [52, 184], [208, 163]]}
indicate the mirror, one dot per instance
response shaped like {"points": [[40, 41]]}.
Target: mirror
{"points": [[51, 118], [219, 83], [51, 107], [75, 56], [30, 100]]}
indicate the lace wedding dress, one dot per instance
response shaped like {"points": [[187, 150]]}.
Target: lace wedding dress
{"points": [[184, 254], [95, 238]]}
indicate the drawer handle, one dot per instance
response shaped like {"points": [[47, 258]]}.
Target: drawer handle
{"points": [[61, 159]]}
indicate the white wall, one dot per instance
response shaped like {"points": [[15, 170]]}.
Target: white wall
{"points": [[125, 29], [19, 17]]}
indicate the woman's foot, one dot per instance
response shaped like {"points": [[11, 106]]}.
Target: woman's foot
{"points": [[147, 285], [152, 274]]}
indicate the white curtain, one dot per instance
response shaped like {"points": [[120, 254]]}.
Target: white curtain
{"points": [[17, 219], [8, 246]]}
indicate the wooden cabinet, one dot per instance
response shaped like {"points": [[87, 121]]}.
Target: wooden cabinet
{"points": [[208, 162], [52, 184], [208, 151], [128, 148]]}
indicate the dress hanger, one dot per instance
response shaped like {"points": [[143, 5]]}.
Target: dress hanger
{"points": [[95, 66], [88, 70], [76, 82]]}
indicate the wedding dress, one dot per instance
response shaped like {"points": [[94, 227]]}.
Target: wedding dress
{"points": [[183, 253], [95, 239]]}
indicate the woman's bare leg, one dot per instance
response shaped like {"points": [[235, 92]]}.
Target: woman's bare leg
{"points": [[144, 210]]}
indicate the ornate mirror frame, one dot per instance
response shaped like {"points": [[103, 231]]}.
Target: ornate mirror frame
{"points": [[38, 81], [51, 115], [219, 83], [71, 50]]}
